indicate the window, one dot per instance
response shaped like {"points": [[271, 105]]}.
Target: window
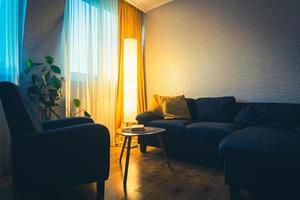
{"points": [[84, 48], [90, 47]]}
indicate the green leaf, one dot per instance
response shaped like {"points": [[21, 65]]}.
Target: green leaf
{"points": [[34, 78], [33, 90], [86, 114], [51, 103], [76, 103], [41, 105], [53, 93], [44, 69], [29, 63], [44, 80], [55, 69], [49, 59], [55, 82], [27, 70], [48, 75]]}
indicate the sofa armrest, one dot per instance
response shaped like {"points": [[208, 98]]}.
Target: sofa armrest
{"points": [[60, 123], [146, 117], [78, 148]]}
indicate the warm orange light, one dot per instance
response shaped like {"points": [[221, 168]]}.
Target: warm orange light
{"points": [[130, 79]]}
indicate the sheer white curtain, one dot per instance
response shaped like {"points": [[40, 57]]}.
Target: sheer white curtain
{"points": [[91, 51]]}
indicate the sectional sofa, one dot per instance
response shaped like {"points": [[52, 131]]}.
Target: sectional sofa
{"points": [[259, 142]]}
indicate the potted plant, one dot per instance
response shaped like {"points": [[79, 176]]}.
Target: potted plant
{"points": [[45, 89]]}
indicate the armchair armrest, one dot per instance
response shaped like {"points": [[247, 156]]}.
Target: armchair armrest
{"points": [[146, 117], [60, 123], [64, 152]]}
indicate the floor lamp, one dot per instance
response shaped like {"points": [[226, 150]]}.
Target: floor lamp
{"points": [[130, 82]]}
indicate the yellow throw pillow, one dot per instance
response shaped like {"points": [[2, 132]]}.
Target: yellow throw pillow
{"points": [[175, 108], [155, 105]]}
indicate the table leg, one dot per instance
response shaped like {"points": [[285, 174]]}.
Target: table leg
{"points": [[127, 161], [162, 146], [123, 147]]}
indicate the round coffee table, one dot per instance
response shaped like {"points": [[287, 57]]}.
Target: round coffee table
{"points": [[128, 134]]}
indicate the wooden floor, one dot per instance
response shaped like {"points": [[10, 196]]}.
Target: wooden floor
{"points": [[149, 178]]}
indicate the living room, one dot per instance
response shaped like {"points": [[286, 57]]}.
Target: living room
{"points": [[149, 99]]}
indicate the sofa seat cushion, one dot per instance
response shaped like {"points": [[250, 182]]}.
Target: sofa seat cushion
{"points": [[210, 130], [174, 126], [262, 146]]}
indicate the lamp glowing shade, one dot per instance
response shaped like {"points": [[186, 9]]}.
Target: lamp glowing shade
{"points": [[130, 80]]}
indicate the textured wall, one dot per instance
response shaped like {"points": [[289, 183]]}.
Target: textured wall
{"points": [[43, 26], [43, 34], [249, 49]]}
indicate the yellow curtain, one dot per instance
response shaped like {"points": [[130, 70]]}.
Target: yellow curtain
{"points": [[130, 26]]}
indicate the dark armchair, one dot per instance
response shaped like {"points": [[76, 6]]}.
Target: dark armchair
{"points": [[56, 154]]}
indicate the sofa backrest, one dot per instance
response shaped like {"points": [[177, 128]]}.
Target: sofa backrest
{"points": [[225, 109], [191, 104], [20, 115], [268, 114], [216, 109]]}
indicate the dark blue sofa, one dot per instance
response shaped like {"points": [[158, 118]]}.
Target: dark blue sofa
{"points": [[211, 121], [259, 142]]}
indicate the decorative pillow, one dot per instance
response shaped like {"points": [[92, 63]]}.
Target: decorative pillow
{"points": [[155, 105], [216, 109], [175, 108]]}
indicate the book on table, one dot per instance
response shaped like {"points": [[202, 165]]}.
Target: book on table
{"points": [[135, 128], [138, 128]]}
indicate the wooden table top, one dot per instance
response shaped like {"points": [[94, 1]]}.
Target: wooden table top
{"points": [[148, 131]]}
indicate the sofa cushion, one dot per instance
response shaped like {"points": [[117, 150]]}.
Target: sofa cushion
{"points": [[298, 129], [157, 101], [155, 105], [172, 126], [210, 130], [269, 115], [219, 109], [175, 108], [191, 105], [262, 146]]}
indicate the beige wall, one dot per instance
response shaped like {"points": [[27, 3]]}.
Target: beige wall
{"points": [[249, 49]]}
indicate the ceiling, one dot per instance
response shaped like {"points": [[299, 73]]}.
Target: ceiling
{"points": [[147, 5]]}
